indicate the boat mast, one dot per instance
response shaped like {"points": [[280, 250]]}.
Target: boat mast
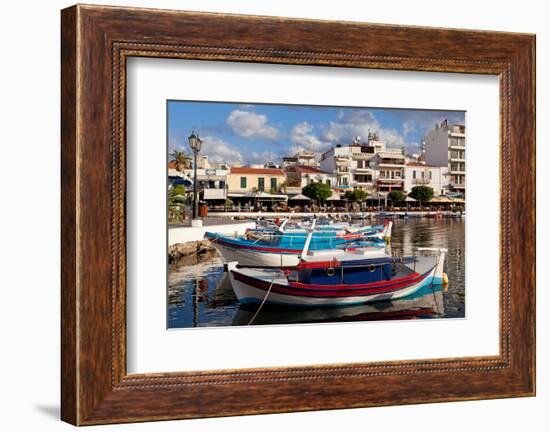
{"points": [[308, 239]]}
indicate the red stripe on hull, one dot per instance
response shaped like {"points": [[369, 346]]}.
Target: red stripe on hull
{"points": [[292, 290]]}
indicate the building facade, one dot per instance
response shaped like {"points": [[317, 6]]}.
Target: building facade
{"points": [[389, 166], [445, 145], [297, 177], [242, 180], [421, 174], [353, 164]]}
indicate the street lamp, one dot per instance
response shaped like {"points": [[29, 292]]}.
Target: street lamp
{"points": [[195, 143]]}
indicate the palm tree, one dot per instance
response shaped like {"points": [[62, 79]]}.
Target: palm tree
{"points": [[181, 159]]}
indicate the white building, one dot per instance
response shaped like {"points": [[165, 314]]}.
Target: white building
{"points": [[421, 174], [389, 166], [297, 177], [446, 146], [352, 164]]}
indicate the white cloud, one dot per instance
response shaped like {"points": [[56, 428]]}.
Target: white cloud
{"points": [[303, 138], [251, 125], [359, 123], [262, 157], [219, 151]]}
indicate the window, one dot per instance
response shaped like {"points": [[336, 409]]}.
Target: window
{"points": [[273, 183], [328, 183], [261, 184], [430, 175], [243, 182], [422, 174], [414, 175]]}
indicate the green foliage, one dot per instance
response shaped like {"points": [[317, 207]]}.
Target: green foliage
{"points": [[396, 196], [317, 191], [181, 159], [356, 195], [228, 203], [422, 193], [176, 203]]}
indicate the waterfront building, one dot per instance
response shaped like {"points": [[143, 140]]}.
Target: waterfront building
{"points": [[352, 164], [446, 146], [389, 166], [297, 177], [421, 174], [242, 180]]}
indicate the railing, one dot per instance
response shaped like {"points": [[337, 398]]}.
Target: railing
{"points": [[421, 181]]}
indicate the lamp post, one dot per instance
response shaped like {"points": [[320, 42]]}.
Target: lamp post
{"points": [[195, 143]]}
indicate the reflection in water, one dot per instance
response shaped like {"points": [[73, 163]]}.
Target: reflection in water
{"points": [[201, 295]]}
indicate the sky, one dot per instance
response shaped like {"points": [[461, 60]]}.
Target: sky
{"points": [[261, 133]]}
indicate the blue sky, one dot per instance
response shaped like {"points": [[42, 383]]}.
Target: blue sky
{"points": [[258, 133]]}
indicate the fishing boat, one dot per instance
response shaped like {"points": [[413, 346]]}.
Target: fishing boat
{"points": [[338, 278], [276, 250]]}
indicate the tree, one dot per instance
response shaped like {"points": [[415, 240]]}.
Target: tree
{"points": [[422, 193], [356, 195], [181, 159], [176, 203], [317, 191], [396, 196]]}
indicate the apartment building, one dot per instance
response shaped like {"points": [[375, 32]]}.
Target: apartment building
{"points": [[446, 146], [389, 166], [352, 164]]}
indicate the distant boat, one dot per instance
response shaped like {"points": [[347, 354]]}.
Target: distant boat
{"points": [[326, 227], [338, 278]]}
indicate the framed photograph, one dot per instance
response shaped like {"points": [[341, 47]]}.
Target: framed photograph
{"points": [[265, 215]]}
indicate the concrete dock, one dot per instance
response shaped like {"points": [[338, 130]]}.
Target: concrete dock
{"points": [[184, 233]]}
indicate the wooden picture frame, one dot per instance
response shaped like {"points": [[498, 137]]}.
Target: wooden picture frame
{"points": [[95, 43]]}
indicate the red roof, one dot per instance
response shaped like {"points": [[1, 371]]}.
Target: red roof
{"points": [[265, 171]]}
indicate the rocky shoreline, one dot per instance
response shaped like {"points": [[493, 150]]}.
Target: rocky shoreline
{"points": [[191, 253]]}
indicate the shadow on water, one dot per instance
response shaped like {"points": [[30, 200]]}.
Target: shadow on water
{"points": [[201, 295]]}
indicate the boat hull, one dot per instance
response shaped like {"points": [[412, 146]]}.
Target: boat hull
{"points": [[258, 255], [257, 286], [257, 258]]}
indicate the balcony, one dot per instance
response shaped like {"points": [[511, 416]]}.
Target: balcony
{"points": [[364, 169], [390, 180], [420, 181], [391, 164], [362, 156]]}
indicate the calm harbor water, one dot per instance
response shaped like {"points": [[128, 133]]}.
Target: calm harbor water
{"points": [[201, 296]]}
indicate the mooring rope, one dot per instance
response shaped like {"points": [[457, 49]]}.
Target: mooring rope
{"points": [[263, 302]]}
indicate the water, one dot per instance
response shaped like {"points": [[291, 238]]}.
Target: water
{"points": [[201, 295]]}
